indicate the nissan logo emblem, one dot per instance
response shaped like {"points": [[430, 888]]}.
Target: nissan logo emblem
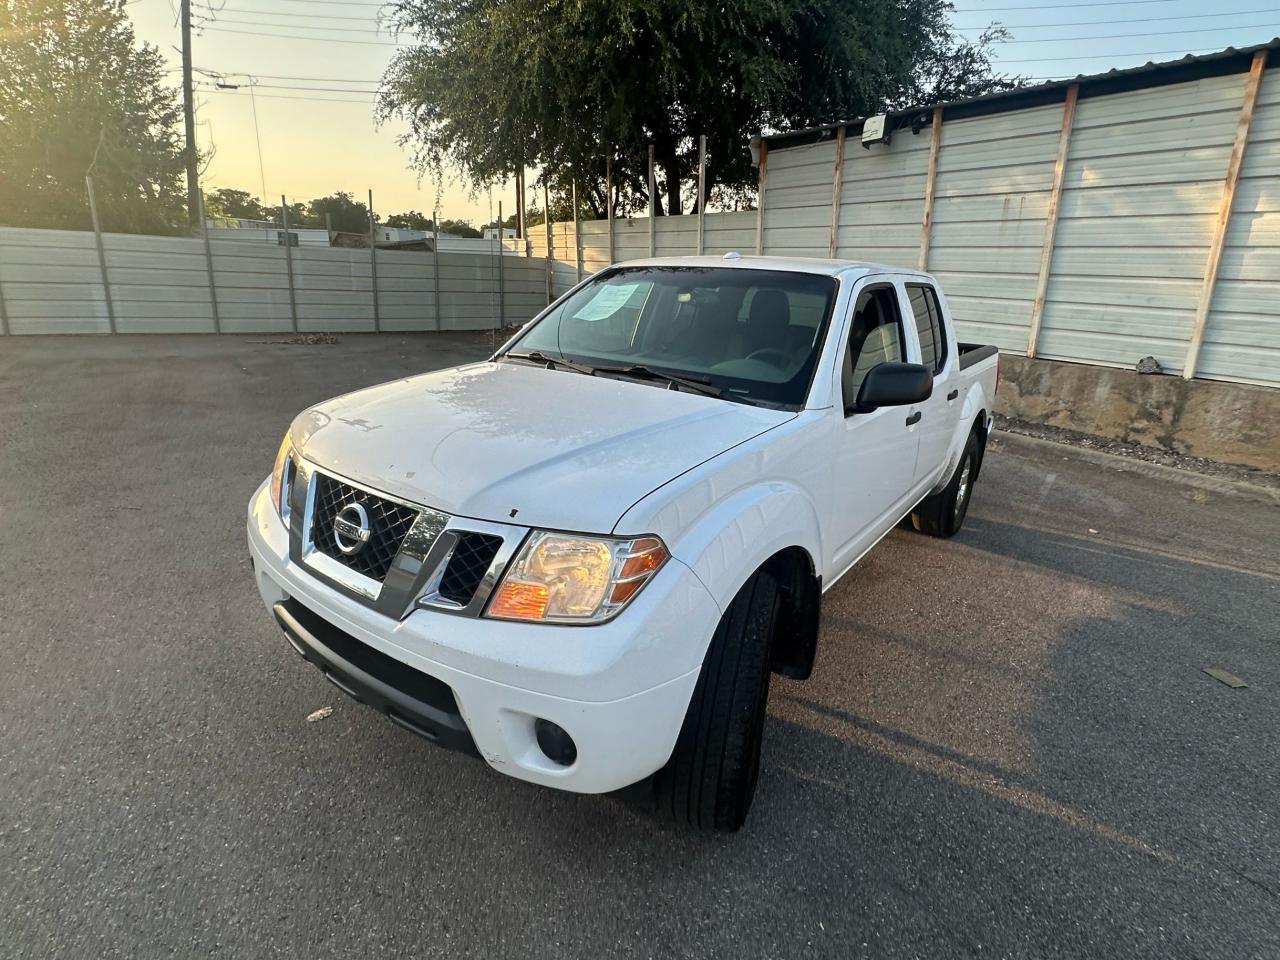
{"points": [[351, 528]]}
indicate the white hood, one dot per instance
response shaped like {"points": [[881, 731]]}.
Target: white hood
{"points": [[515, 443]]}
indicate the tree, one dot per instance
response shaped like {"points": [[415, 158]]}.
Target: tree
{"points": [[410, 220], [343, 212], [460, 228], [493, 86], [79, 96], [234, 205]]}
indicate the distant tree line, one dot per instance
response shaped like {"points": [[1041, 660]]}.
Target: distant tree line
{"points": [[340, 211], [488, 87]]}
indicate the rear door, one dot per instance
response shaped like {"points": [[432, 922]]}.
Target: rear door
{"points": [[938, 413]]}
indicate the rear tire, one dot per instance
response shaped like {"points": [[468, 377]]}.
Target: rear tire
{"points": [[942, 515], [711, 777]]}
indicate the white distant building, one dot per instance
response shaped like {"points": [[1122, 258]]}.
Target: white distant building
{"points": [[491, 233], [264, 231], [398, 234]]}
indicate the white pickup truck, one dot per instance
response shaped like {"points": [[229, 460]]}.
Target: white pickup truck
{"points": [[583, 558]]}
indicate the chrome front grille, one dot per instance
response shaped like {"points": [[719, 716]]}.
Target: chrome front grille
{"points": [[413, 556], [389, 524], [467, 566]]}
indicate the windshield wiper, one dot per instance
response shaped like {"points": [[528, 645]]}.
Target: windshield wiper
{"points": [[641, 372], [551, 363]]}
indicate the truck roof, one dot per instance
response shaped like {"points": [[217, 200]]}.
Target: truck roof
{"points": [[794, 264]]}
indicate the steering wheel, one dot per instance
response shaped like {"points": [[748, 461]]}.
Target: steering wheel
{"points": [[771, 355]]}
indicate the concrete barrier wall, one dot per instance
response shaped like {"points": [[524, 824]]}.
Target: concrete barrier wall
{"points": [[1228, 422], [52, 281]]}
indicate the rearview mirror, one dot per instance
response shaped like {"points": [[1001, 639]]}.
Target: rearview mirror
{"points": [[893, 384]]}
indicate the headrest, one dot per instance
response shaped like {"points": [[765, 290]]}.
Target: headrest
{"points": [[770, 310]]}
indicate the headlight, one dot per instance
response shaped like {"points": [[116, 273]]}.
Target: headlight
{"points": [[561, 578], [281, 477]]}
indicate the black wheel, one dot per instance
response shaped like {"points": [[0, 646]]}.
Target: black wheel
{"points": [[942, 515], [711, 776]]}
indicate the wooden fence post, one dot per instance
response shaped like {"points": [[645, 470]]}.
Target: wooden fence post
{"points": [[102, 255], [930, 185], [1051, 218], [764, 164], [837, 183], [1214, 262]]}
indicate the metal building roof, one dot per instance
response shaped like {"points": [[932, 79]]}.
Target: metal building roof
{"points": [[1190, 67]]}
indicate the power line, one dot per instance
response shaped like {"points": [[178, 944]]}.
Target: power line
{"points": [[1096, 23], [290, 36], [285, 86], [281, 96], [273, 76], [283, 26], [295, 16], [1060, 6], [1158, 33], [336, 3], [1107, 56]]}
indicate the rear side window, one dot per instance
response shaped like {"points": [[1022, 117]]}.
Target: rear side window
{"points": [[929, 328]]}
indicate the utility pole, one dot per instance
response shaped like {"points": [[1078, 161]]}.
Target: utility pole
{"points": [[189, 116]]}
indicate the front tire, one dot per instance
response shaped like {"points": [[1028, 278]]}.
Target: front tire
{"points": [[942, 515], [711, 777]]}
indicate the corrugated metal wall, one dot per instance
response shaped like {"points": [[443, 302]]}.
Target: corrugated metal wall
{"points": [[1242, 336], [991, 199], [1142, 182], [51, 282], [1141, 188], [1140, 198], [673, 237]]}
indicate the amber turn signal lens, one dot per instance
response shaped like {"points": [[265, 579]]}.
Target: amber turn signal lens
{"points": [[519, 600], [647, 555]]}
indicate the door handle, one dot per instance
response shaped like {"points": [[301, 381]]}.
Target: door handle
{"points": [[914, 418], [952, 395]]}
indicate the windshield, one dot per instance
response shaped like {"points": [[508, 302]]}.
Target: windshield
{"points": [[750, 335]]}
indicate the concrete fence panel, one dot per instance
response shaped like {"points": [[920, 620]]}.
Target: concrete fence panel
{"points": [[51, 281]]}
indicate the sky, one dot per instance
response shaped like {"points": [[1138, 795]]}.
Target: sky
{"points": [[316, 63]]}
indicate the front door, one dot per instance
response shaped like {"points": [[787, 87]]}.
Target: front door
{"points": [[874, 462]]}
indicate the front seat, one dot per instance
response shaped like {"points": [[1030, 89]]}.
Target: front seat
{"points": [[768, 323]]}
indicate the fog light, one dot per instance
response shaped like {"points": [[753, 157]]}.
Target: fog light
{"points": [[555, 743]]}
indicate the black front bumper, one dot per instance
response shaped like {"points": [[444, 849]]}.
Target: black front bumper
{"points": [[410, 698]]}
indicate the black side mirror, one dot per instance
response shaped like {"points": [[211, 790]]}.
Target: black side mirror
{"points": [[893, 384]]}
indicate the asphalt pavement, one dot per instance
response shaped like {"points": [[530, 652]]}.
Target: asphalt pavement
{"points": [[1009, 747]]}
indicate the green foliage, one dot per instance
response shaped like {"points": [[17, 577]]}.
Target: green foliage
{"points": [[410, 220], [79, 96], [227, 203], [494, 85], [460, 228], [344, 213]]}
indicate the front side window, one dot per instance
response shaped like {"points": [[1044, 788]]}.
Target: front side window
{"points": [[928, 317], [749, 335], [875, 337]]}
